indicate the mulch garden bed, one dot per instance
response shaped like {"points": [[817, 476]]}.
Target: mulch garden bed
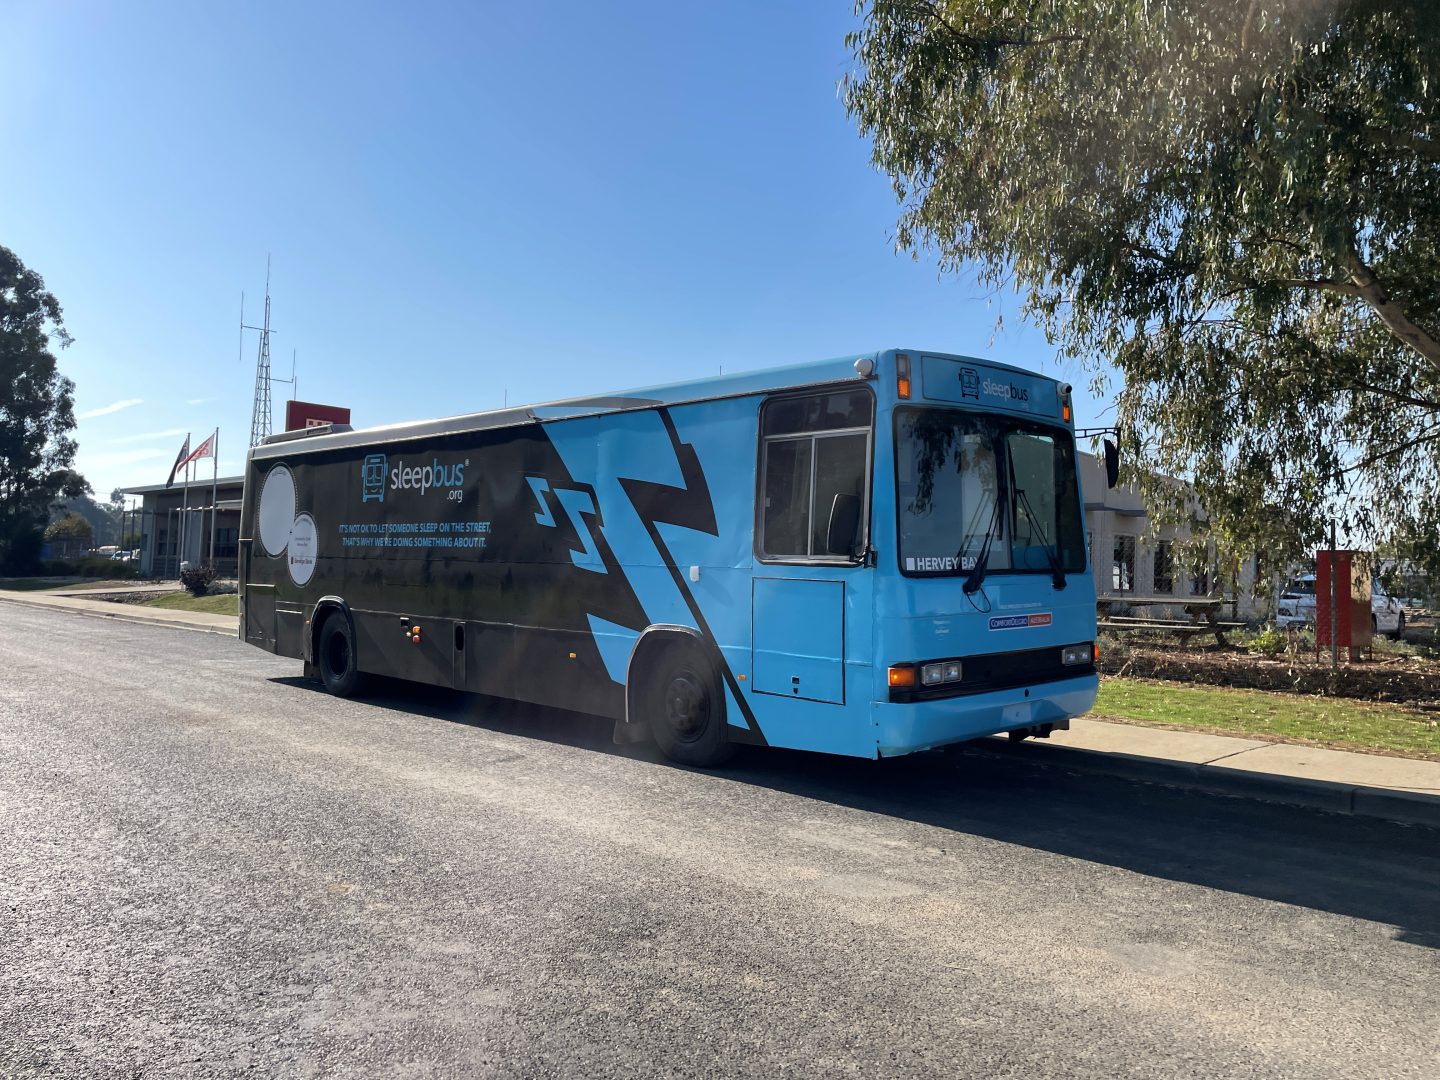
{"points": [[1399, 680]]}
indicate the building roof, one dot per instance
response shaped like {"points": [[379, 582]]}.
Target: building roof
{"points": [[178, 486]]}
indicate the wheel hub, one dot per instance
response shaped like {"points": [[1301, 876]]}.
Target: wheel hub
{"points": [[686, 706], [339, 655]]}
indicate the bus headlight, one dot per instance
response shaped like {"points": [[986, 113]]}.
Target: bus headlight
{"points": [[939, 674], [1078, 654]]}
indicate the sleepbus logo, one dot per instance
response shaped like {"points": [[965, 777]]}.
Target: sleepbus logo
{"points": [[1006, 390], [422, 478], [372, 478]]}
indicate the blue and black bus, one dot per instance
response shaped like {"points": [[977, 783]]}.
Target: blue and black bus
{"points": [[869, 556]]}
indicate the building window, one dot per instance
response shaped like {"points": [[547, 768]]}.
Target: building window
{"points": [[1200, 580], [227, 543], [1122, 565], [1164, 567], [815, 454]]}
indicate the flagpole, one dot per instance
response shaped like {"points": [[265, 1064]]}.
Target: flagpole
{"points": [[185, 518], [214, 489]]}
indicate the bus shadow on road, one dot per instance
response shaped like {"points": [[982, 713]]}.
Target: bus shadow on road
{"points": [[1353, 866], [1359, 867]]}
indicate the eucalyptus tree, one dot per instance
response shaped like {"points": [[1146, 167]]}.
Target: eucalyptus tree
{"points": [[37, 413], [1233, 205]]}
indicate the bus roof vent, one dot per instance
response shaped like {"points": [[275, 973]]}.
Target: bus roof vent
{"points": [[307, 432]]}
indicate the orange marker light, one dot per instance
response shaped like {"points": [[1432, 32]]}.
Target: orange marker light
{"points": [[1065, 412], [902, 376], [1096, 647], [902, 675]]}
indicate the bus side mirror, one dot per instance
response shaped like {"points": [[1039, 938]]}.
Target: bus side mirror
{"points": [[1112, 463], [844, 528]]}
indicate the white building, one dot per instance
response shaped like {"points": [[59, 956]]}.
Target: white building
{"points": [[1132, 558]]}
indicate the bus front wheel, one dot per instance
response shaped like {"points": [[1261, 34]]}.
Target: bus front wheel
{"points": [[335, 656], [687, 708]]}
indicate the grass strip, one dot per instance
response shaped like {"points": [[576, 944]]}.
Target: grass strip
{"points": [[1322, 721], [222, 604], [33, 584]]}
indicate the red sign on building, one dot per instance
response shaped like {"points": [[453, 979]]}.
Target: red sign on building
{"points": [[303, 414]]}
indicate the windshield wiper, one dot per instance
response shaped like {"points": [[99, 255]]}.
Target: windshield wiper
{"points": [[1052, 552], [977, 572]]}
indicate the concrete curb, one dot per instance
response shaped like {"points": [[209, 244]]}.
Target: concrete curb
{"points": [[1409, 807], [95, 610]]}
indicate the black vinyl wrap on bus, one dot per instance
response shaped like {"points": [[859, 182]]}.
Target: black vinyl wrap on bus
{"points": [[511, 619]]}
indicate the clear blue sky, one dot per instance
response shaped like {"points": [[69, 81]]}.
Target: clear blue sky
{"points": [[460, 201]]}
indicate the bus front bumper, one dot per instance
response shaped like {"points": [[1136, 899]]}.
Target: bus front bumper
{"points": [[923, 725]]}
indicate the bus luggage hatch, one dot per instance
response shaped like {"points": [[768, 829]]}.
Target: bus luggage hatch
{"points": [[260, 616], [798, 643]]}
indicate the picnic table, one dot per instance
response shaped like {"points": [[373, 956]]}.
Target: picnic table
{"points": [[1202, 615]]}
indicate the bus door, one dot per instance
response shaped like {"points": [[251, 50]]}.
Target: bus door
{"points": [[811, 594]]}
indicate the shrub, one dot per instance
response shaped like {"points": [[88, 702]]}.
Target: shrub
{"points": [[1114, 651], [1268, 642], [198, 578], [98, 566]]}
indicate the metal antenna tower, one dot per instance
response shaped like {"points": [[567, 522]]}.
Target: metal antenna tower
{"points": [[260, 414]]}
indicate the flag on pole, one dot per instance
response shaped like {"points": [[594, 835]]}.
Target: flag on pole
{"points": [[180, 459], [205, 449]]}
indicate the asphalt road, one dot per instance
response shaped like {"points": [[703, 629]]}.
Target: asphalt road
{"points": [[208, 867]]}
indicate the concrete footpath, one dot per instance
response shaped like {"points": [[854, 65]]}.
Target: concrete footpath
{"points": [[83, 602], [1369, 785]]}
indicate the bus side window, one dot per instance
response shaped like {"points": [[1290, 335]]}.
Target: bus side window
{"points": [[814, 462], [839, 470], [787, 497]]}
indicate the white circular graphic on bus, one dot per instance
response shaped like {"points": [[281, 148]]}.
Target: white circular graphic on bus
{"points": [[277, 509], [301, 553]]}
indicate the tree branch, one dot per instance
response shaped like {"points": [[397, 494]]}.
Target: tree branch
{"points": [[1426, 148], [1396, 396], [1433, 435], [1386, 310], [1342, 288], [970, 41]]}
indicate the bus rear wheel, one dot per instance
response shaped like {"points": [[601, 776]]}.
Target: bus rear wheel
{"points": [[335, 657], [687, 708]]}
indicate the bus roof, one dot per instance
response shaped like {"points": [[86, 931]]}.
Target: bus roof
{"points": [[739, 384]]}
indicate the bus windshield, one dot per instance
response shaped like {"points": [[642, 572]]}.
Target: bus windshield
{"points": [[968, 483]]}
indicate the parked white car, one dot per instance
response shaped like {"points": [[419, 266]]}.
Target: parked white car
{"points": [[1297, 607]]}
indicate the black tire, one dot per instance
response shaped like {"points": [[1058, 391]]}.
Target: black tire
{"points": [[1399, 634], [336, 658], [686, 707]]}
